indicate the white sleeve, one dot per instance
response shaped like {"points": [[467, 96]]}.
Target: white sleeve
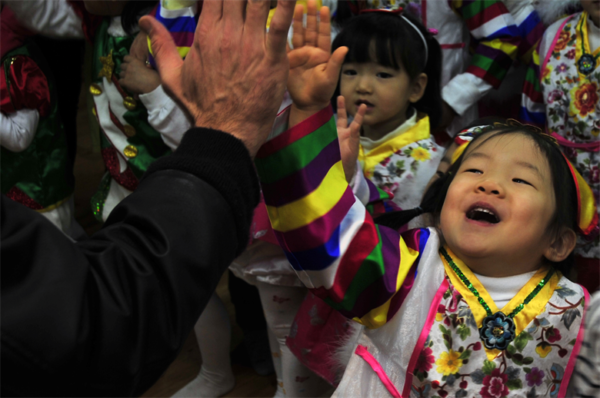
{"points": [[359, 185], [463, 91], [55, 18], [166, 116], [18, 129]]}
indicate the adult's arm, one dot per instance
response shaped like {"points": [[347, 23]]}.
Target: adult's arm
{"points": [[106, 316]]}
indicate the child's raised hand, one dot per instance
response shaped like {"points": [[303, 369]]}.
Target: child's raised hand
{"points": [[136, 77], [314, 72], [349, 136]]}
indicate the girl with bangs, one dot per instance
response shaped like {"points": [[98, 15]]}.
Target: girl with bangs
{"points": [[476, 305], [390, 83]]}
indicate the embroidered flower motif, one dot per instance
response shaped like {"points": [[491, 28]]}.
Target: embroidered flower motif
{"points": [[562, 41], [535, 377], [571, 54], [449, 363], [543, 349], [562, 68], [554, 95], [425, 361], [494, 385], [553, 334], [420, 154], [584, 98], [497, 331]]}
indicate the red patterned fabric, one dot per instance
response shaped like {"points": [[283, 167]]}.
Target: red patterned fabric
{"points": [[21, 197], [28, 87], [12, 34], [89, 22], [127, 179], [317, 332]]}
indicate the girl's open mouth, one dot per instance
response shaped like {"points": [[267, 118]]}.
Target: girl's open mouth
{"points": [[484, 213], [367, 103]]}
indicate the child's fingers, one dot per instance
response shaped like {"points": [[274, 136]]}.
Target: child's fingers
{"points": [[311, 34], [334, 65], [341, 112], [324, 38], [166, 56], [298, 27], [358, 119]]}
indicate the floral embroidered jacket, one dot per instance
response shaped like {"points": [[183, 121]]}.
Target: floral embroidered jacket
{"points": [[397, 284], [567, 102], [401, 166]]}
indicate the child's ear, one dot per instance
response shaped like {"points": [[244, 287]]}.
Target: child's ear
{"points": [[562, 245], [418, 88]]}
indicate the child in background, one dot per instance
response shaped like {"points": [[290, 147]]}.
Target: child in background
{"points": [[476, 306], [35, 167], [131, 138], [561, 94], [399, 91], [479, 41]]}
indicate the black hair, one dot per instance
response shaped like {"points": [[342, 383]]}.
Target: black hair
{"points": [[133, 11], [565, 191], [397, 45]]}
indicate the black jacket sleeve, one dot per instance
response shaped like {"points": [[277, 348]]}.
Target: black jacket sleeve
{"points": [[106, 316]]}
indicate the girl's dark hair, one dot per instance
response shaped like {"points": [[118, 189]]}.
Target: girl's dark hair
{"points": [[397, 45], [133, 11], [565, 192]]}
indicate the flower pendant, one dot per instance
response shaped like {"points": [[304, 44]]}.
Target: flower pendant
{"points": [[497, 331], [586, 64]]}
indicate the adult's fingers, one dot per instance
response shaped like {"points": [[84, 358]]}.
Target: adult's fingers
{"points": [[324, 34], [165, 52], [298, 27], [280, 25], [334, 65], [212, 11], [257, 14], [233, 12]]}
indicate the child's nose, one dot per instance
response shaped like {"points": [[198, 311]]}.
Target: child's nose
{"points": [[364, 85], [491, 187]]}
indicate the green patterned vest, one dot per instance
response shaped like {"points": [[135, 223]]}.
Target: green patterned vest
{"points": [[38, 177], [125, 131]]}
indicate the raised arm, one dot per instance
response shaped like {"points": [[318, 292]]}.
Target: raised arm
{"points": [[359, 268], [497, 42]]}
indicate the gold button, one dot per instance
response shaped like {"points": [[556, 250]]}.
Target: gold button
{"points": [[95, 89], [94, 111], [129, 130], [130, 103], [130, 151]]}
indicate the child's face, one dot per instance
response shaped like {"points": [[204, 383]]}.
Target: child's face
{"points": [[386, 91], [593, 9], [107, 8], [498, 207]]}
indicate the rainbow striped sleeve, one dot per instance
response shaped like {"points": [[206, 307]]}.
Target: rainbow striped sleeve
{"points": [[496, 34], [359, 268], [181, 23], [533, 108], [531, 28]]}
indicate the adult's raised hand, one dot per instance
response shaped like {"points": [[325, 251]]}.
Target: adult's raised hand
{"points": [[234, 76]]}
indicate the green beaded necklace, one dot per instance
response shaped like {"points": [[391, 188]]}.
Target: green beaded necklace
{"points": [[497, 330]]}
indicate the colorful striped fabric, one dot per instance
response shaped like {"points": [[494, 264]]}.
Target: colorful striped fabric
{"points": [[531, 29], [181, 23], [533, 108], [497, 38], [359, 268]]}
